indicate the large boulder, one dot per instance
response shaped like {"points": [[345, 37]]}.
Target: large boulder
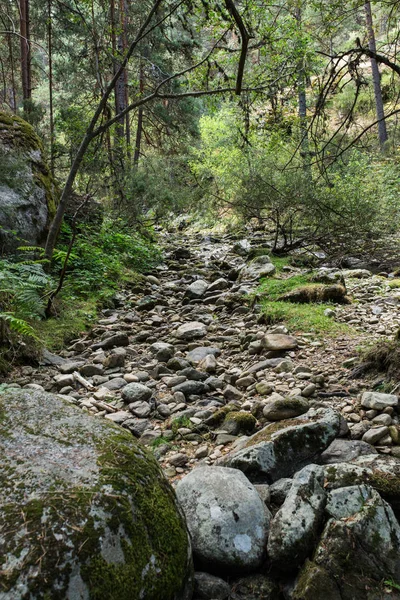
{"points": [[28, 195], [281, 449], [295, 527], [85, 513], [227, 519], [358, 550]]}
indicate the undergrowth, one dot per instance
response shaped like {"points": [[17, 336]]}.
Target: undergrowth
{"points": [[297, 317]]}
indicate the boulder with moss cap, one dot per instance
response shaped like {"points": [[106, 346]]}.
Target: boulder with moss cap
{"points": [[85, 512], [28, 195]]}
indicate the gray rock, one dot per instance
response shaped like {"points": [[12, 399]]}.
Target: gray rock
{"points": [[28, 195], [295, 527], [279, 342], [241, 247], [64, 381], [140, 409], [117, 383], [89, 370], [345, 451], [116, 358], [162, 351], [189, 388], [119, 339], [372, 436], [78, 495], [218, 285], [281, 449], [191, 331], [118, 417], [378, 401], [359, 548], [198, 354], [70, 366], [279, 490], [227, 520], [209, 587], [287, 408], [196, 290], [136, 392], [257, 268]]}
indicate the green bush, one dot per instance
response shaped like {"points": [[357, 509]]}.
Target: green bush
{"points": [[101, 259]]}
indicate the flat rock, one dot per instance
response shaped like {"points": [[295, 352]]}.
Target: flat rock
{"points": [[198, 354], [287, 408], [279, 342], [378, 401], [119, 339], [345, 451], [191, 331], [281, 449]]}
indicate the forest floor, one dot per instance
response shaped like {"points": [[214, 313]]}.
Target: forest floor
{"points": [[197, 349]]}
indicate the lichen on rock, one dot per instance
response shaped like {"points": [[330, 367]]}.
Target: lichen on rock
{"points": [[85, 511], [28, 194]]}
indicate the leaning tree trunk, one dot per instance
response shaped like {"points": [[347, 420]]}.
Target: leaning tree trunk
{"points": [[380, 113]]}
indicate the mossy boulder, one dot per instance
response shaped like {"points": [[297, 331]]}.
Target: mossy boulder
{"points": [[307, 294], [358, 550], [85, 513], [281, 449], [28, 194]]}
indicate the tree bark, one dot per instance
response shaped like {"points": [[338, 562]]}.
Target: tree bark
{"points": [[301, 91], [51, 107], [380, 113], [139, 130], [26, 77]]}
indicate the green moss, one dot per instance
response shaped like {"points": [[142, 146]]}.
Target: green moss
{"points": [[265, 435], [244, 420], [73, 320], [130, 499], [18, 133], [303, 318]]}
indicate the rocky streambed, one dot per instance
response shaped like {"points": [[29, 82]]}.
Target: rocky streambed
{"points": [[286, 469]]}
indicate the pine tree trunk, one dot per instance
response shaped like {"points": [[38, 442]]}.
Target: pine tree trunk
{"points": [[26, 77], [51, 107], [380, 113]]}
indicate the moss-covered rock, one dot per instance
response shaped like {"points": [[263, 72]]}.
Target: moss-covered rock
{"points": [[281, 449], [28, 194], [358, 550], [84, 512]]}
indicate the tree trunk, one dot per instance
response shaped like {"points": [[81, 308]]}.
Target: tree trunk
{"points": [[26, 77], [51, 107], [301, 91], [139, 130], [380, 113]]}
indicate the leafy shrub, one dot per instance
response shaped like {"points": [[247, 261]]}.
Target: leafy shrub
{"points": [[100, 259]]}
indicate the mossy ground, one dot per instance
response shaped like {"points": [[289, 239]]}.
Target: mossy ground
{"points": [[297, 317], [72, 321]]}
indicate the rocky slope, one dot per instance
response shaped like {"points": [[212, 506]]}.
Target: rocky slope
{"points": [[185, 364]]}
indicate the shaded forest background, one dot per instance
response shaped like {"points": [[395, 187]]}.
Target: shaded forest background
{"points": [[279, 116]]}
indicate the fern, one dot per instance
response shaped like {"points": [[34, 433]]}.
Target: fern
{"points": [[18, 326]]}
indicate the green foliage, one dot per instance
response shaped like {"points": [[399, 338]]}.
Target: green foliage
{"points": [[307, 318], [101, 258], [22, 287], [273, 288], [266, 180]]}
